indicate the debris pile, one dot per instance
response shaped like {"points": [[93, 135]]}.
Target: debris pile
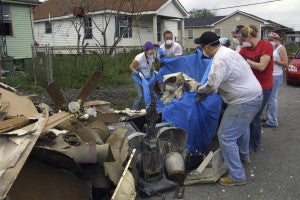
{"points": [[96, 154], [89, 151]]}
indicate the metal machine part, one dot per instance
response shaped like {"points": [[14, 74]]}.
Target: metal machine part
{"points": [[152, 162]]}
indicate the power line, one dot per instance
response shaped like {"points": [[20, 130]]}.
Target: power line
{"points": [[283, 12], [246, 5]]}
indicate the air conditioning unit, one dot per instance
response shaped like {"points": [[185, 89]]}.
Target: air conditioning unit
{"points": [[78, 11]]}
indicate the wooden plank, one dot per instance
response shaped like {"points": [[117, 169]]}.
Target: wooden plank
{"points": [[13, 123], [53, 121], [95, 103], [125, 188], [10, 175], [106, 117], [18, 105]]}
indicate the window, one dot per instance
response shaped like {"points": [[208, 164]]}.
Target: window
{"points": [[88, 29], [48, 27], [190, 34], [122, 23], [218, 31], [6, 22], [159, 32]]}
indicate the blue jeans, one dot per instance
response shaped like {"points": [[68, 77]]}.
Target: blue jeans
{"points": [[271, 115], [139, 96], [255, 126], [233, 134]]}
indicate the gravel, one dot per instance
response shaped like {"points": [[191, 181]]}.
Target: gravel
{"points": [[122, 96]]}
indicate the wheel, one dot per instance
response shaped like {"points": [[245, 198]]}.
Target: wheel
{"points": [[289, 83]]}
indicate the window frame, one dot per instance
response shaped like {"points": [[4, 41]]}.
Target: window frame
{"points": [[188, 34], [219, 31], [159, 33], [48, 29], [119, 29], [88, 28], [7, 23]]}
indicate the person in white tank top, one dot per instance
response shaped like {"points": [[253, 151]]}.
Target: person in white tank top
{"points": [[280, 61]]}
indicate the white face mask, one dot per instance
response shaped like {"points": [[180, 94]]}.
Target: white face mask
{"points": [[273, 44], [236, 41], [169, 42], [150, 53], [247, 44]]}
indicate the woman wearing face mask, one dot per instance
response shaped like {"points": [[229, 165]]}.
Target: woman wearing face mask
{"points": [[235, 38], [171, 48], [259, 55], [141, 67], [280, 60]]}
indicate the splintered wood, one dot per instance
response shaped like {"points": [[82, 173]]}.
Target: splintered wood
{"points": [[13, 123]]}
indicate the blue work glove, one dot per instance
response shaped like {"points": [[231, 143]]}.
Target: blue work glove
{"points": [[160, 51]]}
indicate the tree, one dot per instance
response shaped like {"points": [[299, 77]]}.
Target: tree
{"points": [[201, 13], [112, 10]]}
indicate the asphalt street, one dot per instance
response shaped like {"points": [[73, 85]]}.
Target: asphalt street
{"points": [[273, 173]]}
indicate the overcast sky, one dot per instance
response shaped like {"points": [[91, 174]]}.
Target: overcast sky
{"points": [[285, 12]]}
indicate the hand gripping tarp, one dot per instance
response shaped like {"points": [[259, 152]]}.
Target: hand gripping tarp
{"points": [[146, 90], [200, 120]]}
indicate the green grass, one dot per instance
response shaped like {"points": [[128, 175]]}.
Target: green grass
{"points": [[71, 71]]}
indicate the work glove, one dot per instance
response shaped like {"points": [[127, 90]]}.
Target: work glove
{"points": [[200, 96], [141, 75], [160, 51]]}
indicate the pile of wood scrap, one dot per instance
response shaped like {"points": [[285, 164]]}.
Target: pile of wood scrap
{"points": [[94, 156]]}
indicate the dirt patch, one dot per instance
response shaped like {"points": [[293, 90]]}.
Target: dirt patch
{"points": [[119, 98]]}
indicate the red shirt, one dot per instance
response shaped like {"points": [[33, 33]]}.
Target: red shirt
{"points": [[265, 77]]}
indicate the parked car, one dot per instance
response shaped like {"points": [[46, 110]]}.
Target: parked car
{"points": [[293, 70]]}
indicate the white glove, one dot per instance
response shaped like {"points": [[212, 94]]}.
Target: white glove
{"points": [[141, 75], [156, 72]]}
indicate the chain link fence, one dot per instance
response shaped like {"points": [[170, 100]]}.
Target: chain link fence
{"points": [[51, 63]]}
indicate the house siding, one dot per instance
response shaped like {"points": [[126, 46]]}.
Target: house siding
{"points": [[189, 43], [170, 10], [64, 33], [225, 27], [19, 45], [238, 19]]}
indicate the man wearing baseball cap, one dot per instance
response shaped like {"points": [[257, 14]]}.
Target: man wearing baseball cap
{"points": [[232, 77]]}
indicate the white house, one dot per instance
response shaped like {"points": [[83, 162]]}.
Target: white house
{"points": [[55, 21]]}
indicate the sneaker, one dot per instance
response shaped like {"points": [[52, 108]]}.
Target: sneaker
{"points": [[246, 162], [226, 181]]}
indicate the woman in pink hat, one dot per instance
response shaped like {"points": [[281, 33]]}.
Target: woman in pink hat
{"points": [[280, 60]]}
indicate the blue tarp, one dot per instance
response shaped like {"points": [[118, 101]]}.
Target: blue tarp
{"points": [[200, 120]]}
